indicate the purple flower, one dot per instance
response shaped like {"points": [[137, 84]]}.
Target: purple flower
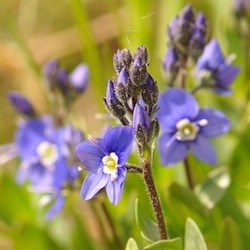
{"points": [[105, 160], [213, 64], [79, 77], [187, 127], [45, 154], [21, 103]]}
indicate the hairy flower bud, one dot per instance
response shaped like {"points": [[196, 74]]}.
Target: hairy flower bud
{"points": [[113, 104], [122, 58], [141, 124], [123, 86], [150, 94], [138, 72], [141, 53], [50, 72]]}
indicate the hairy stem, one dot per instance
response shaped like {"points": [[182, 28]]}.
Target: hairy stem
{"points": [[155, 201], [188, 174]]}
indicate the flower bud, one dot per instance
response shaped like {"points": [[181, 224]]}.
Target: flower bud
{"points": [[79, 78], [150, 94], [138, 72], [50, 72], [123, 86], [112, 103], [141, 53], [121, 59], [21, 104], [141, 124]]}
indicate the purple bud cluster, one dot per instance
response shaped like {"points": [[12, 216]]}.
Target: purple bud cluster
{"points": [[132, 95], [187, 34], [67, 84]]}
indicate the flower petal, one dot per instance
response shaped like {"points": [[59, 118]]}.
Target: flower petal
{"points": [[203, 149], [211, 57], [114, 189], [56, 208], [60, 174], [90, 154], [226, 75], [119, 140], [171, 152], [93, 183], [218, 123], [174, 105], [28, 137]]}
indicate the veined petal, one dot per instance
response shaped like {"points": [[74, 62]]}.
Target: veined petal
{"points": [[171, 150], [114, 188], [93, 183], [226, 75], [56, 207], [175, 105], [90, 154], [119, 140], [203, 149], [217, 122]]}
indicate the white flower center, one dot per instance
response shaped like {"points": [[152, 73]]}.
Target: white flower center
{"points": [[186, 130], [47, 153], [110, 163]]}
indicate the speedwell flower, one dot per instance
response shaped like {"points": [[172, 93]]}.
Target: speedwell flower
{"points": [[214, 70], [105, 160], [45, 154], [186, 127]]}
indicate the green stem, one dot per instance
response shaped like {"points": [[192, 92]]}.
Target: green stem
{"points": [[188, 171], [117, 240], [188, 174], [154, 197]]}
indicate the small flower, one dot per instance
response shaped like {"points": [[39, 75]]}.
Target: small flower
{"points": [[186, 127], [45, 154], [79, 78], [213, 64], [105, 160], [21, 103]]}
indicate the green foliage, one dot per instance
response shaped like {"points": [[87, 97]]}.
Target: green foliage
{"points": [[193, 237], [173, 244]]}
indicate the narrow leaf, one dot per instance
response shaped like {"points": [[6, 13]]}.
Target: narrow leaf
{"points": [[193, 237], [131, 245]]}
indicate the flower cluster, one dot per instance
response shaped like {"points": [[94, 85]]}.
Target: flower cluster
{"points": [[69, 85], [46, 159], [187, 37], [132, 95]]}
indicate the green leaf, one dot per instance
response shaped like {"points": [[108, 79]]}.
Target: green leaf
{"points": [[230, 238], [148, 227], [131, 245], [173, 244], [187, 197], [193, 238], [214, 187]]}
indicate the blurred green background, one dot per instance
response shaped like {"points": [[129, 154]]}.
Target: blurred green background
{"points": [[72, 31]]}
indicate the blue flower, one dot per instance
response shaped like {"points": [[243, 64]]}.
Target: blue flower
{"points": [[105, 160], [45, 154], [187, 127], [213, 64]]}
